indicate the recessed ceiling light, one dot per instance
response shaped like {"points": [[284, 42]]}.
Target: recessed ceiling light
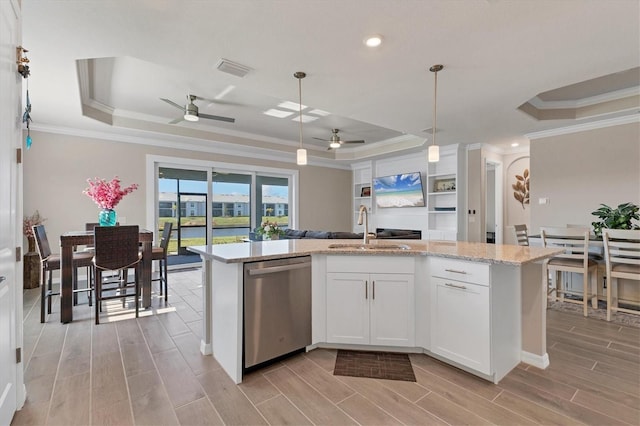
{"points": [[515, 144], [278, 113], [291, 105], [373, 41], [305, 118]]}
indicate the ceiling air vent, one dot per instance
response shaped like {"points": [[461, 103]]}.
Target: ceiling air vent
{"points": [[231, 67]]}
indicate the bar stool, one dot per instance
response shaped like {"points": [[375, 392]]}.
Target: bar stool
{"points": [[575, 243], [50, 262], [116, 249], [522, 236], [622, 257], [159, 253]]}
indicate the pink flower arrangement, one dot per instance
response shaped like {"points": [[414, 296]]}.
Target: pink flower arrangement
{"points": [[105, 194]]}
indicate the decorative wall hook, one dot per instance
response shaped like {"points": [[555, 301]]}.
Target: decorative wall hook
{"points": [[22, 61]]}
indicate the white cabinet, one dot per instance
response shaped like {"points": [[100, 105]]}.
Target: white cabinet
{"points": [[347, 308], [460, 323], [373, 309], [475, 315], [370, 300]]}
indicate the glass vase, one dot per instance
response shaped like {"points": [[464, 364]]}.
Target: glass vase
{"points": [[107, 217]]}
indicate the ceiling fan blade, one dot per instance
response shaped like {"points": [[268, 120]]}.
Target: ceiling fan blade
{"points": [[217, 117], [323, 140], [359, 141], [217, 101], [177, 120], [181, 107]]}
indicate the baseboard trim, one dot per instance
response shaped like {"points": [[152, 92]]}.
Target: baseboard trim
{"points": [[205, 348], [539, 361]]}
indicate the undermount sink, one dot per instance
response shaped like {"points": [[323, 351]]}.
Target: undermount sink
{"points": [[370, 246]]}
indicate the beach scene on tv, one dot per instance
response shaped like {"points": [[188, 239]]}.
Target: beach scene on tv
{"points": [[402, 190]]}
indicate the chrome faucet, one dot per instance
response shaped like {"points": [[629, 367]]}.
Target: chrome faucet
{"points": [[363, 212]]}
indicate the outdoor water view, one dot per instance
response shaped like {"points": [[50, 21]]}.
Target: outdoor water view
{"points": [[183, 202]]}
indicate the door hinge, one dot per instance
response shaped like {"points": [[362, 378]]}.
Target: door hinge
{"points": [[18, 254], [18, 355], [19, 155]]}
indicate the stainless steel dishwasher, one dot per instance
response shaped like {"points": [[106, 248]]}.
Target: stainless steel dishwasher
{"points": [[277, 308]]}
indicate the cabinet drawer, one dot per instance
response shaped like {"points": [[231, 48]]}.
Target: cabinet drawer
{"points": [[460, 270]]}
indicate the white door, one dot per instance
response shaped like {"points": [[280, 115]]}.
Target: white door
{"points": [[9, 138], [460, 323], [392, 310], [348, 308]]}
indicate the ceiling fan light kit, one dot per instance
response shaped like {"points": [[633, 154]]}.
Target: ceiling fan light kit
{"points": [[191, 111], [336, 141], [434, 150], [373, 40], [301, 153]]}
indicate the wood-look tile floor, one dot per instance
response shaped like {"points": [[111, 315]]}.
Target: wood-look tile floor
{"points": [[149, 372]]}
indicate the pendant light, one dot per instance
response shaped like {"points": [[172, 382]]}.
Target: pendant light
{"points": [[434, 150], [301, 153]]}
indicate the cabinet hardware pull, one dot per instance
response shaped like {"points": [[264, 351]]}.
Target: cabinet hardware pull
{"points": [[455, 286], [374, 290], [366, 291], [456, 271]]}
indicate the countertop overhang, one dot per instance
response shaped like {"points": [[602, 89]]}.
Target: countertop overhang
{"points": [[278, 249]]}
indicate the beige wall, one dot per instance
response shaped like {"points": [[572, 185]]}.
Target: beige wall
{"points": [[514, 213], [475, 196], [578, 171], [57, 166]]}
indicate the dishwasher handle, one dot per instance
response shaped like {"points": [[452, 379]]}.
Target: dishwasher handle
{"points": [[274, 269]]}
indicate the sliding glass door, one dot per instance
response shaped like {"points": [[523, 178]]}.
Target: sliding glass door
{"points": [[182, 196], [231, 207], [272, 195], [216, 203]]}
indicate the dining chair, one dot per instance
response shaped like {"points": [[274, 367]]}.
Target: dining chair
{"points": [[575, 243], [522, 235], [50, 262], [159, 253], [116, 249], [622, 257]]}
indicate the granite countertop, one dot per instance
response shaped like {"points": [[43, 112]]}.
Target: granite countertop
{"points": [[278, 249]]}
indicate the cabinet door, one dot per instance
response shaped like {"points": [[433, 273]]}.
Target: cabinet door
{"points": [[347, 308], [392, 317], [460, 323]]}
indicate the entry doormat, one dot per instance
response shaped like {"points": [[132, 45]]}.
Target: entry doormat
{"points": [[375, 365]]}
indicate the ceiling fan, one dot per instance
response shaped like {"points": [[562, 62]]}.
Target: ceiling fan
{"points": [[335, 141], [191, 111]]}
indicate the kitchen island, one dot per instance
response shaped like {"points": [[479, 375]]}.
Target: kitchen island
{"points": [[480, 307]]}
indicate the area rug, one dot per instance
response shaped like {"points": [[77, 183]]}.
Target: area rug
{"points": [[600, 313], [375, 365]]}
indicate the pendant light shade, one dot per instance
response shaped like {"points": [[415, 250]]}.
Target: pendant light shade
{"points": [[301, 157], [301, 154], [434, 153], [434, 150]]}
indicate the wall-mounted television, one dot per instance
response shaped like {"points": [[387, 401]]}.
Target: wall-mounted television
{"points": [[401, 190]]}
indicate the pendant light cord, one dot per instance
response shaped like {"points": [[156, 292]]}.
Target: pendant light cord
{"points": [[435, 105], [300, 107]]}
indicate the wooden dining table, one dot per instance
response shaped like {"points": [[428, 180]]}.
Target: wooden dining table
{"points": [[72, 239]]}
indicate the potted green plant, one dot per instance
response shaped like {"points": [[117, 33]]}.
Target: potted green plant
{"points": [[618, 218]]}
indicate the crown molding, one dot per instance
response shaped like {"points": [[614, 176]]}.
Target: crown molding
{"points": [[593, 100], [190, 144], [584, 127]]}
